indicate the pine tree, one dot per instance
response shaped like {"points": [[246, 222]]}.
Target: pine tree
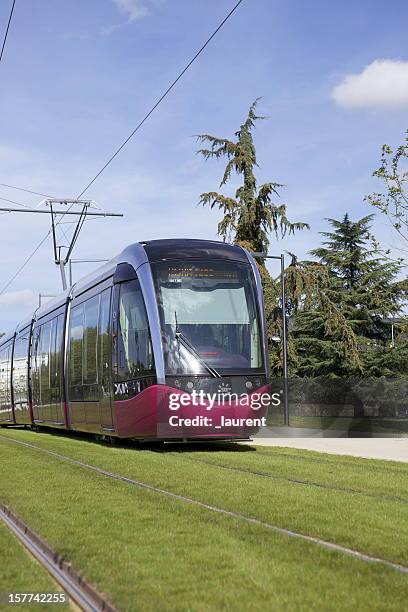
{"points": [[363, 289], [250, 216]]}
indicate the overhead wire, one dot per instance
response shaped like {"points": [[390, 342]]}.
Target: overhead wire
{"points": [[162, 97], [132, 134], [37, 248], [45, 195], [7, 30], [14, 202]]}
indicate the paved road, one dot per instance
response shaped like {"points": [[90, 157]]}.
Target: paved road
{"points": [[395, 449], [314, 432]]}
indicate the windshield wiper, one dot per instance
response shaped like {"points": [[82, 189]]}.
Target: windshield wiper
{"points": [[182, 339]]}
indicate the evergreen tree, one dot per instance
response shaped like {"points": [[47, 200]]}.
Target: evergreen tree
{"points": [[250, 216], [363, 289]]}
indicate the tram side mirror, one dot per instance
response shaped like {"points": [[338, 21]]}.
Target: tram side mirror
{"points": [[124, 272]]}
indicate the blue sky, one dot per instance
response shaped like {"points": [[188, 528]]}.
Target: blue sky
{"points": [[77, 76]]}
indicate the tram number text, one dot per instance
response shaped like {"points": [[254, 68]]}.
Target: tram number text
{"points": [[121, 388], [125, 388]]}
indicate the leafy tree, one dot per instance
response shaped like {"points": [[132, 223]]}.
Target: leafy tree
{"points": [[393, 202], [361, 290], [250, 216]]}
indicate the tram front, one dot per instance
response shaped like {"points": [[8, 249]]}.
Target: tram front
{"points": [[210, 308]]}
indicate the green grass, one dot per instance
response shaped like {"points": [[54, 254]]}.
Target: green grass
{"points": [[20, 573], [148, 551], [355, 519]]}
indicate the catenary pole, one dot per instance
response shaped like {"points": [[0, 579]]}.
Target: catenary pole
{"points": [[281, 257], [61, 261]]}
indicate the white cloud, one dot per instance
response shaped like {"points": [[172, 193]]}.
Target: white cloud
{"points": [[382, 84], [75, 36], [133, 9], [18, 298], [108, 30]]}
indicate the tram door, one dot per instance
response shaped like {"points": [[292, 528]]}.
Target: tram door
{"points": [[90, 386], [20, 377], [56, 362], [46, 368]]}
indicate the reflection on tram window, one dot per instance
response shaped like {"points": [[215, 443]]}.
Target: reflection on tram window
{"points": [[135, 354], [212, 306]]}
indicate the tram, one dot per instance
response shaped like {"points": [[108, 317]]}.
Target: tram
{"points": [[146, 347]]}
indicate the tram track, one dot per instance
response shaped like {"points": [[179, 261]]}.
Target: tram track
{"points": [[221, 511], [296, 481], [79, 591]]}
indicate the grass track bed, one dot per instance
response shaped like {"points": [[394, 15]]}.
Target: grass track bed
{"points": [[374, 526], [309, 483], [146, 551], [20, 573]]}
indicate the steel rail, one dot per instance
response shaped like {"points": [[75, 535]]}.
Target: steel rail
{"points": [[75, 586], [351, 552], [296, 481]]}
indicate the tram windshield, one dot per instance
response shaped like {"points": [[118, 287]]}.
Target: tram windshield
{"points": [[209, 317]]}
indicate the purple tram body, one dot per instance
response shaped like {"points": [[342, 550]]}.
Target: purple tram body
{"points": [[164, 342]]}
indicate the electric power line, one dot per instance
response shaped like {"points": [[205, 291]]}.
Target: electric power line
{"points": [[21, 268], [7, 285], [168, 90], [14, 202], [45, 195], [124, 143], [7, 30]]}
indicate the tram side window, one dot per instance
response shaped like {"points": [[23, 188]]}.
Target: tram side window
{"points": [[5, 371], [20, 364], [45, 363], [104, 347], [53, 353], [135, 354], [90, 373], [36, 364], [59, 352], [76, 336], [2, 378], [56, 356]]}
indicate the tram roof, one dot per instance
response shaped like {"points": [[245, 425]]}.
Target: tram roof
{"points": [[185, 248], [137, 254]]}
